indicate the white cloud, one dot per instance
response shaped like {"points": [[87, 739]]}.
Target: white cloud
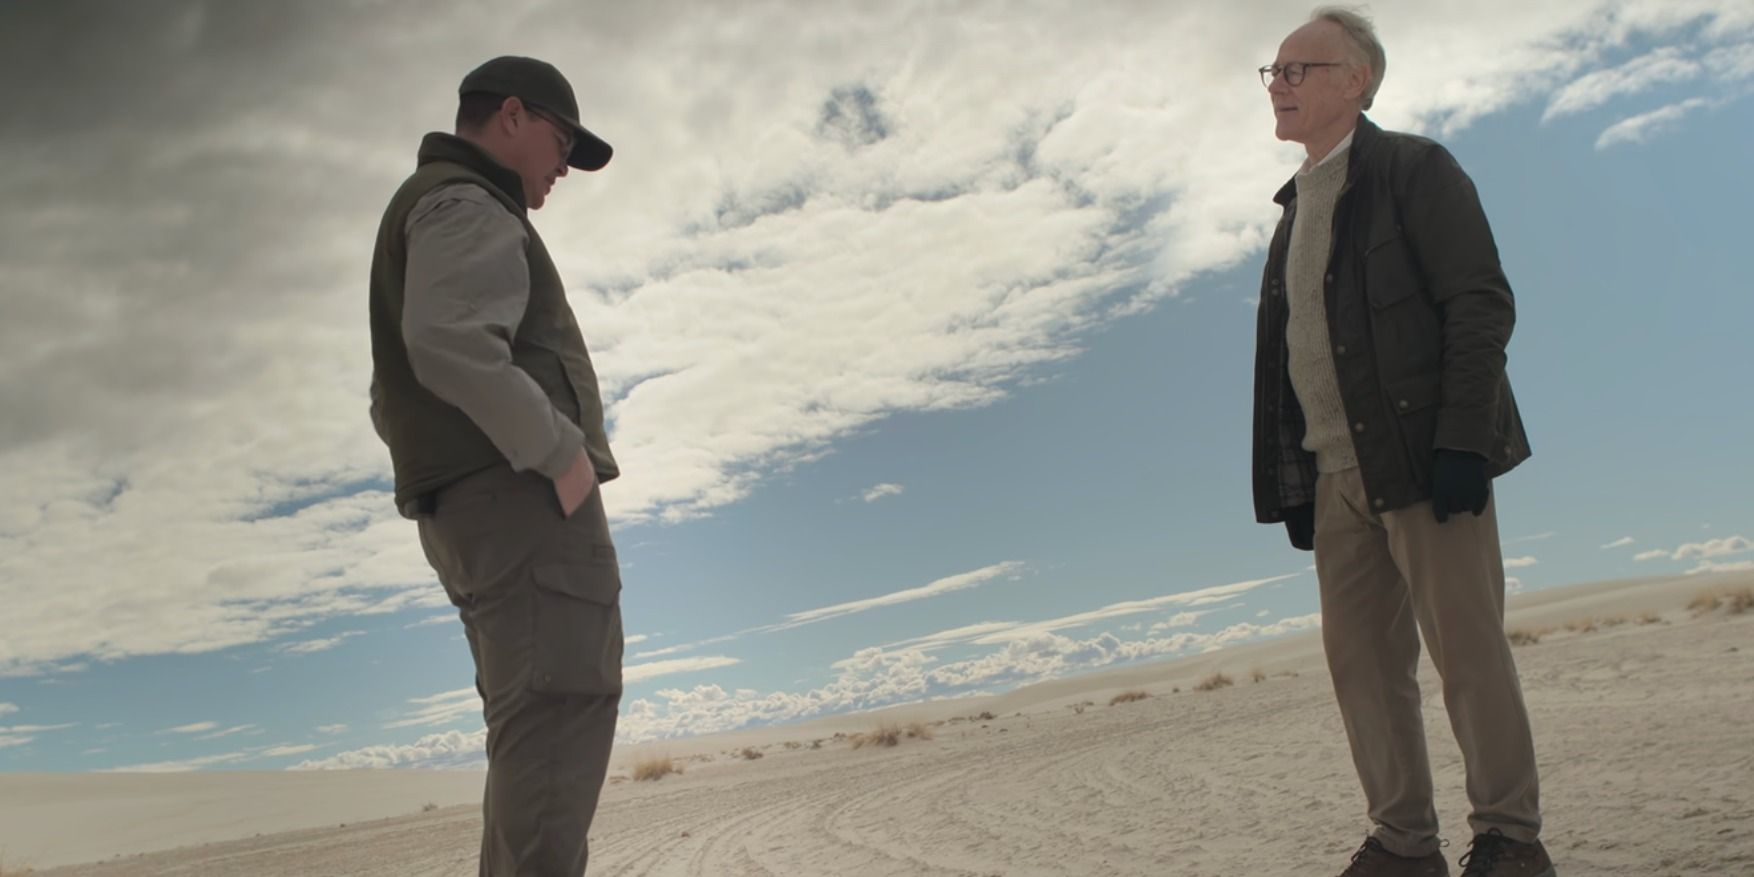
{"points": [[881, 491], [331, 729], [641, 672], [1621, 542], [636, 639], [1712, 566], [1714, 548], [1201, 597], [7, 709], [1519, 562], [1665, 65], [196, 728], [1538, 537], [312, 646], [441, 709], [1724, 547], [428, 621], [283, 751], [451, 749], [238, 729], [746, 313], [1513, 585], [7, 740], [1642, 127], [1187, 619], [958, 582]]}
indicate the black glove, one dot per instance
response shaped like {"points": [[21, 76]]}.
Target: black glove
{"points": [[1459, 484], [1300, 523]]}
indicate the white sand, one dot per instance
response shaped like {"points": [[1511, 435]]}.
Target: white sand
{"points": [[1642, 731]]}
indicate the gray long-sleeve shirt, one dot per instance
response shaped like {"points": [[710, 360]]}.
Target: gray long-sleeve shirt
{"points": [[467, 285]]}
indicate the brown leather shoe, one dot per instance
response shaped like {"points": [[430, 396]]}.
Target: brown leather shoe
{"points": [[1494, 855], [1373, 860]]}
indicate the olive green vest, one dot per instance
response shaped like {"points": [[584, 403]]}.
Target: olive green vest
{"points": [[433, 443]]}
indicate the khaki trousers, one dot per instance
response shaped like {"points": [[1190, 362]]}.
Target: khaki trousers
{"points": [[539, 597], [1385, 579]]}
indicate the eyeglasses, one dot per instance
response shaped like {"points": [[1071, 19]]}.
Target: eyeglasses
{"points": [[1293, 71], [562, 130]]}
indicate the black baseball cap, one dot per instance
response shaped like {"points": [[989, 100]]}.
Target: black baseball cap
{"points": [[539, 84]]}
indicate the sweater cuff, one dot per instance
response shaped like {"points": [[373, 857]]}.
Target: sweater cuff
{"points": [[572, 442]]}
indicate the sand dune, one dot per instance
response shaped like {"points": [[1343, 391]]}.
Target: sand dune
{"points": [[1642, 729]]}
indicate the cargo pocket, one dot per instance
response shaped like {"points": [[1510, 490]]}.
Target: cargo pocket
{"points": [[578, 637]]}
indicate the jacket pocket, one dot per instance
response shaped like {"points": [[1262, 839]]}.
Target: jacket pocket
{"points": [[578, 636], [1389, 274], [1415, 401]]}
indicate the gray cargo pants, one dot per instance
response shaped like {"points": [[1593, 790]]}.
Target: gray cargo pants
{"points": [[539, 597]]}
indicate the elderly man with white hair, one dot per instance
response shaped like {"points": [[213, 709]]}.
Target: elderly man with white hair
{"points": [[1382, 414]]}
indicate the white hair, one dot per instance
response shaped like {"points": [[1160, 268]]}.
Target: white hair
{"points": [[1366, 48]]}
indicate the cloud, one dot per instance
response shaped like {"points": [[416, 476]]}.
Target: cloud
{"points": [[283, 751], [1704, 551], [1665, 65], [1187, 619], [958, 582], [1714, 548], [1201, 597], [430, 620], [451, 749], [636, 638], [1710, 566], [331, 729], [1538, 537], [8, 741], [1621, 542], [1519, 562], [239, 729], [641, 672], [440, 709], [7, 709], [881, 491], [312, 646], [1642, 127], [196, 728], [1513, 585], [917, 217]]}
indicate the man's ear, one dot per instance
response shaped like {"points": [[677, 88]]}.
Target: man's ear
{"points": [[1358, 80]]}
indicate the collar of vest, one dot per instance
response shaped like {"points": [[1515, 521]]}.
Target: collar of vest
{"points": [[439, 146]]}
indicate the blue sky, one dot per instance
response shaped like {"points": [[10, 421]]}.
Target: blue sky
{"points": [[930, 374]]}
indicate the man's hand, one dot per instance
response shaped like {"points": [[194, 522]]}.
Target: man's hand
{"points": [[1300, 524], [578, 482], [1459, 484]]}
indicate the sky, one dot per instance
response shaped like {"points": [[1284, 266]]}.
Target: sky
{"points": [[925, 330]]}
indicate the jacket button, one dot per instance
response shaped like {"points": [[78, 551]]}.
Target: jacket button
{"points": [[1403, 404], [1330, 278], [1358, 427], [1341, 350], [1378, 503]]}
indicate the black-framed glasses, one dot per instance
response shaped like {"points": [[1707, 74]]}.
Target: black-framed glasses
{"points": [[1293, 71], [561, 129]]}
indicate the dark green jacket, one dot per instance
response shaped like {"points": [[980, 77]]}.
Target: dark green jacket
{"points": [[1419, 314], [433, 443]]}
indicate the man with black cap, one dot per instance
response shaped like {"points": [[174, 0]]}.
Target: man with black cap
{"points": [[485, 394]]}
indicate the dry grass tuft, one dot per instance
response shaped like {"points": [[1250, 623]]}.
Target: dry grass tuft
{"points": [[891, 735], [983, 717], [1739, 602], [1581, 625], [1523, 637], [1214, 682], [1128, 697], [428, 807], [655, 768], [918, 731], [1702, 604], [1258, 675], [1650, 617], [750, 753]]}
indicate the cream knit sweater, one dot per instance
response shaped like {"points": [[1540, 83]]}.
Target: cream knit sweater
{"points": [[1306, 333]]}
